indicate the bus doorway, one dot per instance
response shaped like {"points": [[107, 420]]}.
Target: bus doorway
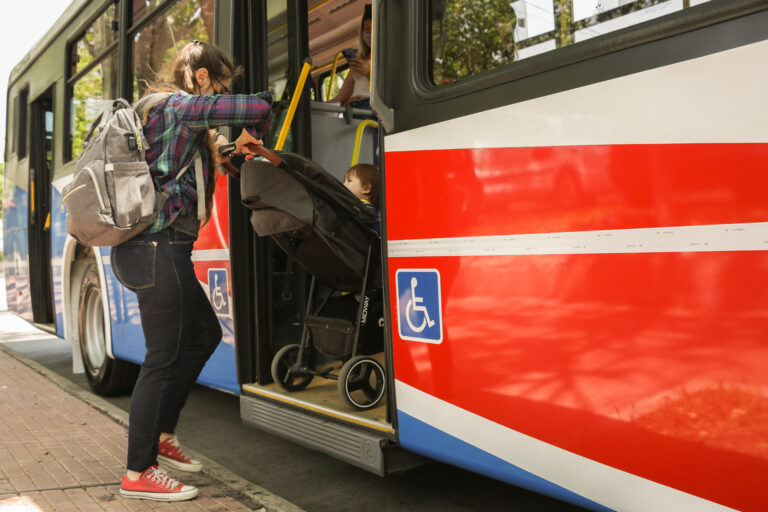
{"points": [[304, 379], [40, 171]]}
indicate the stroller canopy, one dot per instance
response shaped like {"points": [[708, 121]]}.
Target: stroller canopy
{"points": [[311, 216]]}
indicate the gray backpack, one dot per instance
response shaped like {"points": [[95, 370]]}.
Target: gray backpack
{"points": [[112, 196]]}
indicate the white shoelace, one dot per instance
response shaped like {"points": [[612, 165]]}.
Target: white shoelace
{"points": [[174, 441], [162, 479]]}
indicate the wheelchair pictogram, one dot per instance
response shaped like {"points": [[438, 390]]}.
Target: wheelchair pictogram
{"points": [[415, 305], [218, 290], [419, 305]]}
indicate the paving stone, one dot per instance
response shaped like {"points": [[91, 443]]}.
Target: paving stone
{"points": [[59, 454]]}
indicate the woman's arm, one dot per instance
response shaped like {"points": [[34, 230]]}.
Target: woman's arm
{"points": [[346, 90], [203, 112]]}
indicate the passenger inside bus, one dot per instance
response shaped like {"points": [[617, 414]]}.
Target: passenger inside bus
{"points": [[357, 85]]}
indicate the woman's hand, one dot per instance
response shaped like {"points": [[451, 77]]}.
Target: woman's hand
{"points": [[362, 66], [246, 143], [218, 141]]}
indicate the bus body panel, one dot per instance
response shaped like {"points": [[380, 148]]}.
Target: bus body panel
{"points": [[16, 248], [58, 240], [600, 267]]}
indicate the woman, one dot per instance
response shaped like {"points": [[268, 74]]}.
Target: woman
{"points": [[356, 89], [180, 327]]}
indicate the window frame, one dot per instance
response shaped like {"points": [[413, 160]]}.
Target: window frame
{"points": [[21, 141], [10, 140], [137, 25], [73, 78], [685, 20]]}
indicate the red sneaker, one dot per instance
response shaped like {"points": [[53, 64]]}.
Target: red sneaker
{"points": [[170, 452], [155, 484]]}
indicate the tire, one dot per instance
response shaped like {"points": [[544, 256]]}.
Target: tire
{"points": [[283, 372], [107, 377], [362, 382]]}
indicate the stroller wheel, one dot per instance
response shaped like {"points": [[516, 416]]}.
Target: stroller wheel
{"points": [[284, 371], [362, 382]]}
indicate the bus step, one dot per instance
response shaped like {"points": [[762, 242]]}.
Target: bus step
{"points": [[359, 448]]}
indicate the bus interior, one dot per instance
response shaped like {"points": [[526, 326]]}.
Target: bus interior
{"points": [[339, 136]]}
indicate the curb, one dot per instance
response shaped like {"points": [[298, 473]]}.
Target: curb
{"points": [[252, 495]]}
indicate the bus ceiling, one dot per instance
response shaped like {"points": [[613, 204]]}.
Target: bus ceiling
{"points": [[332, 25]]}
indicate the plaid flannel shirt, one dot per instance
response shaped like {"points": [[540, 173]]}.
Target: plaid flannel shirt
{"points": [[176, 129]]}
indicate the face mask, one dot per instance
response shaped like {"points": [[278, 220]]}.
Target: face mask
{"points": [[367, 39]]}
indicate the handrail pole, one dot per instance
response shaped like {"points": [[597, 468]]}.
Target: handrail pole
{"points": [[294, 103], [359, 138], [333, 75]]}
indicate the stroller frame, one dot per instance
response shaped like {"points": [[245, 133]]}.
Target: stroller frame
{"points": [[361, 380]]}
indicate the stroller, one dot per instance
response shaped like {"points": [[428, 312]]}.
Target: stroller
{"points": [[323, 227]]}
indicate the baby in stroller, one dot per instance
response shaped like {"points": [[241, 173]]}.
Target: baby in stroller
{"points": [[363, 181], [327, 230]]}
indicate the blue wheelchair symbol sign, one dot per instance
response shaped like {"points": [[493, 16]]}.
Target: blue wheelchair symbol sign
{"points": [[218, 289], [419, 307]]}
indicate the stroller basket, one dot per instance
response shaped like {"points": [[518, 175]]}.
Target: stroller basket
{"points": [[333, 337]]}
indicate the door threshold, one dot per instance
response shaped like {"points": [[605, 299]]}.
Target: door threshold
{"points": [[273, 393], [49, 328]]}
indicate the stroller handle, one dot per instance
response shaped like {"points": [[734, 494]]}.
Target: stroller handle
{"points": [[270, 155]]}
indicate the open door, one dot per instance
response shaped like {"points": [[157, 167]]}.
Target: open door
{"points": [[40, 172]]}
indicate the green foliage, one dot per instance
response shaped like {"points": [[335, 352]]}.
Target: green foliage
{"points": [[471, 36], [156, 45], [98, 84], [87, 97], [338, 81]]}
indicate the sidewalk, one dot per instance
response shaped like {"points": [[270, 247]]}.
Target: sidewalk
{"points": [[58, 453], [63, 449]]}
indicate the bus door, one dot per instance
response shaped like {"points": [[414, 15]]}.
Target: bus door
{"points": [[545, 163], [40, 172], [313, 409]]}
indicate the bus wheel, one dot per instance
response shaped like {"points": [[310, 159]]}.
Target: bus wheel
{"points": [[284, 373], [362, 382], [107, 377]]}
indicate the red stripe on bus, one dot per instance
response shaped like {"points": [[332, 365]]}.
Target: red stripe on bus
{"points": [[650, 363], [498, 191]]}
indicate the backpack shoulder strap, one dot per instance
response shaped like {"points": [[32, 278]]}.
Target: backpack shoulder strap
{"points": [[199, 185]]}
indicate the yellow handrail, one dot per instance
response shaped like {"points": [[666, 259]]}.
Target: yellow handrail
{"points": [[294, 103], [359, 138], [333, 76]]}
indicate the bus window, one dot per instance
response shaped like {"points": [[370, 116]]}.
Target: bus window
{"points": [[21, 124], [157, 43], [471, 37], [97, 38], [90, 94], [338, 81], [93, 76], [143, 7], [277, 47]]}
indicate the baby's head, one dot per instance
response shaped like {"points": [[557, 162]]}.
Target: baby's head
{"points": [[363, 181]]}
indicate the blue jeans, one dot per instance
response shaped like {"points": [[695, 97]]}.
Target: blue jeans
{"points": [[181, 332]]}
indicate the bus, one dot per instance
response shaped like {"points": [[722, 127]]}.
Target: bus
{"points": [[573, 243]]}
